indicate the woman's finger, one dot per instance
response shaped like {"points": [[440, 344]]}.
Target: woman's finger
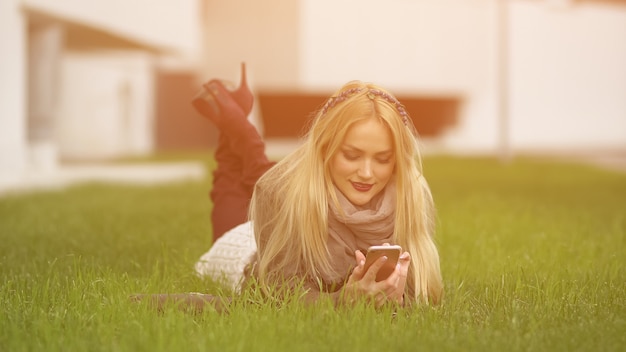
{"points": [[359, 256], [371, 273], [358, 271]]}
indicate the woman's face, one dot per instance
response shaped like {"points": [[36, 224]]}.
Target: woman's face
{"points": [[365, 161]]}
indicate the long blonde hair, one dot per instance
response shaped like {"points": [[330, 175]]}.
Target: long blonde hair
{"points": [[289, 207]]}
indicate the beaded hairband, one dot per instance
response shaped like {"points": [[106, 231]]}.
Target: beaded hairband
{"points": [[372, 93]]}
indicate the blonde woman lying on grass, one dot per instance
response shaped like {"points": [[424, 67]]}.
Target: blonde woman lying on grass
{"points": [[308, 220]]}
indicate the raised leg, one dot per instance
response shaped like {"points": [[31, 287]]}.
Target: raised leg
{"points": [[240, 154]]}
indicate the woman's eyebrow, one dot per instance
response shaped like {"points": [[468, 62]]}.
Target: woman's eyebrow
{"points": [[353, 148]]}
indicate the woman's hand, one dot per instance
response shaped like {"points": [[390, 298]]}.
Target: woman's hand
{"points": [[364, 284]]}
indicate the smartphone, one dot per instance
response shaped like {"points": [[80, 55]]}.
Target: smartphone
{"points": [[391, 252]]}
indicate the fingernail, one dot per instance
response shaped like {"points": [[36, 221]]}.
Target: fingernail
{"points": [[362, 262], [213, 88], [385, 258]]}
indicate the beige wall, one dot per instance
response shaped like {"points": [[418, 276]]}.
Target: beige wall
{"points": [[264, 34]]}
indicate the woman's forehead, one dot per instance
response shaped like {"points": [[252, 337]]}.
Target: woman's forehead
{"points": [[371, 135]]}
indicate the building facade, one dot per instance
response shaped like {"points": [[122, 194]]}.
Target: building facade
{"points": [[78, 77], [90, 80]]}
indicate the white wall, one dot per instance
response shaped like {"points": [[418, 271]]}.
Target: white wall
{"points": [[12, 90], [162, 23], [439, 48], [106, 103], [567, 64], [568, 76]]}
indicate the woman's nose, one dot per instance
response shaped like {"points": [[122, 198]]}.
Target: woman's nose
{"points": [[365, 169]]}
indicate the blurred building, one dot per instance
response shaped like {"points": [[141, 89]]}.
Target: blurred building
{"points": [[482, 76], [78, 77], [100, 79]]}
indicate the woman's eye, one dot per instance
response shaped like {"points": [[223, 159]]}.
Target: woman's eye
{"points": [[350, 156], [384, 161]]}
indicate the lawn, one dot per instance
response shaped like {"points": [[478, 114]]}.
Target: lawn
{"points": [[533, 256]]}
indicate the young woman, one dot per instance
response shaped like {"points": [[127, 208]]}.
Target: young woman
{"points": [[356, 181]]}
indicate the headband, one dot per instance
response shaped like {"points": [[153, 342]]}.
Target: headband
{"points": [[372, 94]]}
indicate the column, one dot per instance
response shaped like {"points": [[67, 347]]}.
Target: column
{"points": [[45, 46], [12, 91]]}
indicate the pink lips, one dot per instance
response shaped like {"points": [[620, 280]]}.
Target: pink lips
{"points": [[361, 187]]}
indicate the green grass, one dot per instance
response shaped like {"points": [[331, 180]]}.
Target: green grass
{"points": [[533, 256]]}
